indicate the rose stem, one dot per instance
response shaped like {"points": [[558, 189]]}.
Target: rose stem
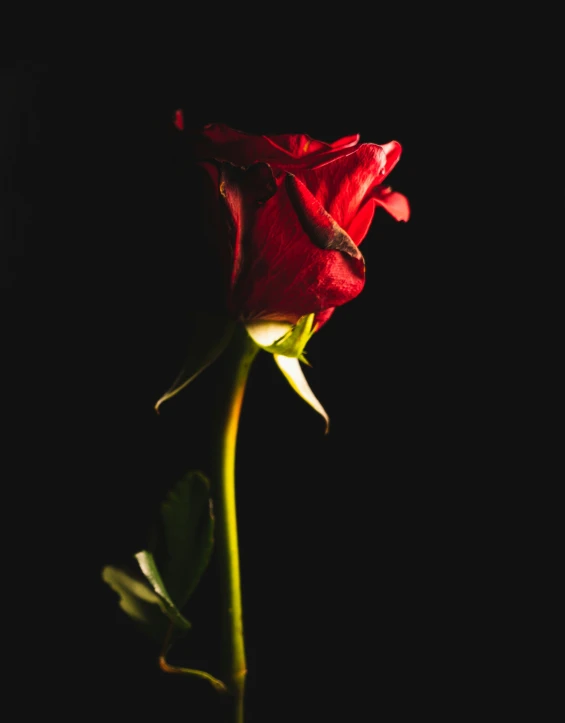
{"points": [[241, 352]]}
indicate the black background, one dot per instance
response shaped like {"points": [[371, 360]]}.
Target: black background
{"points": [[373, 558]]}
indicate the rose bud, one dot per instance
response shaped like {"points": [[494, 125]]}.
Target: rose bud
{"points": [[288, 214]]}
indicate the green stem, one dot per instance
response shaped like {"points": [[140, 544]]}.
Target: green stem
{"points": [[175, 669], [239, 356]]}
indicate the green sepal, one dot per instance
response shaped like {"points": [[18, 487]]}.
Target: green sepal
{"points": [[281, 338], [295, 376], [208, 336]]}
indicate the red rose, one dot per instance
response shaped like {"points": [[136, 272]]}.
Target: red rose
{"points": [[289, 213]]}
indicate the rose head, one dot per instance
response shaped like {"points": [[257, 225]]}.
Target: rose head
{"points": [[289, 215]]}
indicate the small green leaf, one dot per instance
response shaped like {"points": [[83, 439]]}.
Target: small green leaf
{"points": [[136, 598], [185, 544], [148, 567], [142, 604], [188, 527], [208, 336]]}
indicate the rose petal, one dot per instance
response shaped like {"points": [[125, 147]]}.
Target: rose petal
{"points": [[317, 222], [322, 318], [393, 202], [243, 191], [220, 142], [179, 120], [393, 151], [346, 187], [290, 257], [292, 151], [346, 141], [216, 221], [342, 185], [298, 145]]}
